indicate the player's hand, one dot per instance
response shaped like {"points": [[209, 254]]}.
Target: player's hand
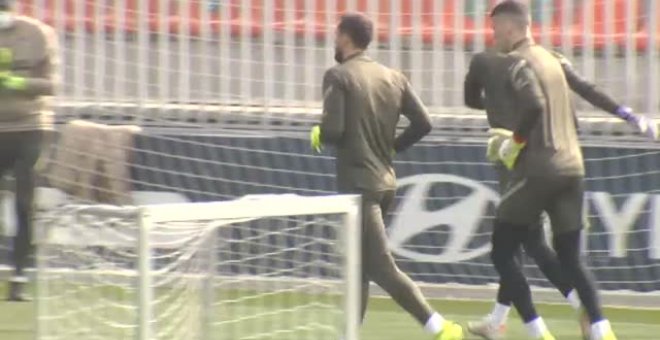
{"points": [[11, 82], [509, 152], [315, 139], [7, 79], [644, 125], [497, 136]]}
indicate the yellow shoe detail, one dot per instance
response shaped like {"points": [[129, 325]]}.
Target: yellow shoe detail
{"points": [[547, 336], [450, 331]]}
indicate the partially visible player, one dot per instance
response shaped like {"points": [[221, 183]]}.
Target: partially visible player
{"points": [[28, 59], [485, 76], [483, 90], [362, 103], [545, 158]]}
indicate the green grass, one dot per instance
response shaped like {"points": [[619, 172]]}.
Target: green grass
{"points": [[384, 319]]}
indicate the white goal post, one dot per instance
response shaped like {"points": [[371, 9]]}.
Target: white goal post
{"points": [[275, 266]]}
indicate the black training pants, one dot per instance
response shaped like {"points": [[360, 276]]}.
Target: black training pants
{"points": [[535, 246], [522, 204], [19, 152]]}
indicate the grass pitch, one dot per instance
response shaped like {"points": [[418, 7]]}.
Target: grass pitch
{"points": [[384, 320]]}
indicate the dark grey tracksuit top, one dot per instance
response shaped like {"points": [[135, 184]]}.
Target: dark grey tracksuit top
{"points": [[496, 75], [362, 103]]}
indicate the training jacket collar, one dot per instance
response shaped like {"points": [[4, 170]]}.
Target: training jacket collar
{"points": [[521, 43], [357, 55]]}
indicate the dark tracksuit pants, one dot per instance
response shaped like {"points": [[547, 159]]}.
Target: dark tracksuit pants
{"points": [[522, 204], [536, 247], [19, 152], [378, 264]]}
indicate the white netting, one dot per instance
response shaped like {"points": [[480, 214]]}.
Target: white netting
{"points": [[244, 277]]}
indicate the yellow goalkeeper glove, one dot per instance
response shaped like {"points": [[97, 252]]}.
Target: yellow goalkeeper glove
{"points": [[315, 139], [497, 136], [11, 82], [7, 79], [509, 151]]}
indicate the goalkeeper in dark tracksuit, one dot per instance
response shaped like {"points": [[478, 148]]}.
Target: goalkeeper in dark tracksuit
{"points": [[28, 59], [484, 90], [362, 104], [547, 172]]}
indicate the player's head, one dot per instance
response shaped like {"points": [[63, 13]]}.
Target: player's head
{"points": [[354, 33], [511, 21], [6, 17]]}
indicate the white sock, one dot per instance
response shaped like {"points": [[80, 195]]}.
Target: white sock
{"points": [[499, 314], [434, 324], [574, 299], [536, 328], [600, 329], [19, 279]]}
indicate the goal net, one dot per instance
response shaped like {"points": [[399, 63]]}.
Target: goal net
{"points": [[225, 92], [264, 267]]}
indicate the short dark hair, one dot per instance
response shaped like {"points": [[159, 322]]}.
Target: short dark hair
{"points": [[511, 7], [358, 27]]}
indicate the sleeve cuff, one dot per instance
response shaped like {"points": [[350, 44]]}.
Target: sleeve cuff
{"points": [[624, 112], [519, 139]]}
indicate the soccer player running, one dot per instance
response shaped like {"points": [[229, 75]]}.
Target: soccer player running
{"points": [[28, 57], [362, 103], [545, 157], [484, 89]]}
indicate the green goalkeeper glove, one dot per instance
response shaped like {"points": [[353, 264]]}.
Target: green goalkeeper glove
{"points": [[315, 139], [11, 82], [497, 136], [509, 151], [7, 79]]}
